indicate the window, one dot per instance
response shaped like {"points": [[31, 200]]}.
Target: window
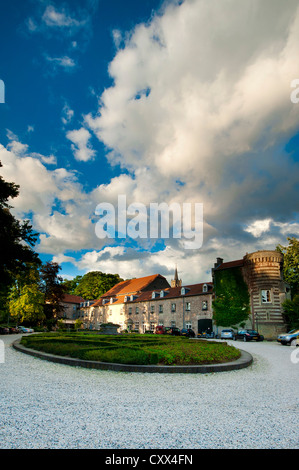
{"points": [[204, 305], [136, 325], [189, 325], [188, 306], [152, 326], [137, 310], [152, 309], [173, 307], [110, 311], [173, 324], [160, 308], [266, 296], [130, 310]]}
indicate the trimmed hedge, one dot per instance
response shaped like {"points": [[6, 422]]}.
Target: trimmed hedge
{"points": [[133, 349]]}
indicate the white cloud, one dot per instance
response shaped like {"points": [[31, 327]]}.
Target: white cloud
{"points": [[60, 19], [65, 62], [67, 114], [81, 146], [258, 227]]}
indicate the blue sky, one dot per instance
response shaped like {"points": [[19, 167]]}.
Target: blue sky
{"points": [[175, 102]]}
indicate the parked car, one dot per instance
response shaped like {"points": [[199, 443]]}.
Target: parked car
{"points": [[227, 334], [13, 330], [188, 332], [248, 335], [160, 330], [173, 330], [25, 330], [4, 330], [289, 338], [206, 334]]}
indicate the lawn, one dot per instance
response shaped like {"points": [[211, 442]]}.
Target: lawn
{"points": [[132, 348]]}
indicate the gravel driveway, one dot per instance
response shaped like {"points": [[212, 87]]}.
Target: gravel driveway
{"points": [[52, 406]]}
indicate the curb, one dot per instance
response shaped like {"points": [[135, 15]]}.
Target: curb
{"points": [[244, 361]]}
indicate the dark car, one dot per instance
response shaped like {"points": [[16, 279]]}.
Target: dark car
{"points": [[173, 330], [188, 332], [13, 330], [249, 335], [4, 330]]}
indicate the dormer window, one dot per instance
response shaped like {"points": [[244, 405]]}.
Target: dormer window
{"points": [[183, 291], [111, 300], [126, 298], [162, 293], [205, 288], [132, 297], [153, 295]]}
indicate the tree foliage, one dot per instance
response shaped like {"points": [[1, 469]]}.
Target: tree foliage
{"points": [[232, 303], [291, 312], [16, 239], [26, 301], [92, 285], [291, 263], [53, 290]]}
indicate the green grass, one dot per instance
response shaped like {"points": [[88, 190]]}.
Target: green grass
{"points": [[132, 349]]}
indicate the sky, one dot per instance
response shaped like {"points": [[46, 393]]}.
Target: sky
{"points": [[174, 102]]}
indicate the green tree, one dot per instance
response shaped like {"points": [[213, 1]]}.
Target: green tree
{"points": [[53, 290], [16, 239], [27, 305], [231, 306], [291, 312], [71, 284], [95, 283], [291, 264]]}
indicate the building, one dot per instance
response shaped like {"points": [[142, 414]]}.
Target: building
{"points": [[142, 304], [71, 309], [263, 274]]}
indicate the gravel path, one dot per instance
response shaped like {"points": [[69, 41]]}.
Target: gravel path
{"points": [[51, 406]]}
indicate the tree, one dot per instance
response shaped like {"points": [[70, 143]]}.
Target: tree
{"points": [[71, 284], [16, 239], [291, 312], [28, 305], [53, 290], [95, 283], [26, 301], [232, 303], [291, 264]]}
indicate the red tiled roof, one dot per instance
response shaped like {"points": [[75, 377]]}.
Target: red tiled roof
{"points": [[231, 264], [173, 292], [72, 299], [131, 286]]}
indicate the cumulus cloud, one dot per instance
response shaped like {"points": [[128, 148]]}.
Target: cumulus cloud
{"points": [[80, 144], [199, 111], [201, 94]]}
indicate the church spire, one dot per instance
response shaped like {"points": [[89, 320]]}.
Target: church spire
{"points": [[176, 282]]}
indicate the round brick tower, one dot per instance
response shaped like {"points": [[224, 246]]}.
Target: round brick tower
{"points": [[263, 272]]}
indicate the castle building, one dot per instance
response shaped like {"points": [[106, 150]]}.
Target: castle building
{"points": [[263, 274]]}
